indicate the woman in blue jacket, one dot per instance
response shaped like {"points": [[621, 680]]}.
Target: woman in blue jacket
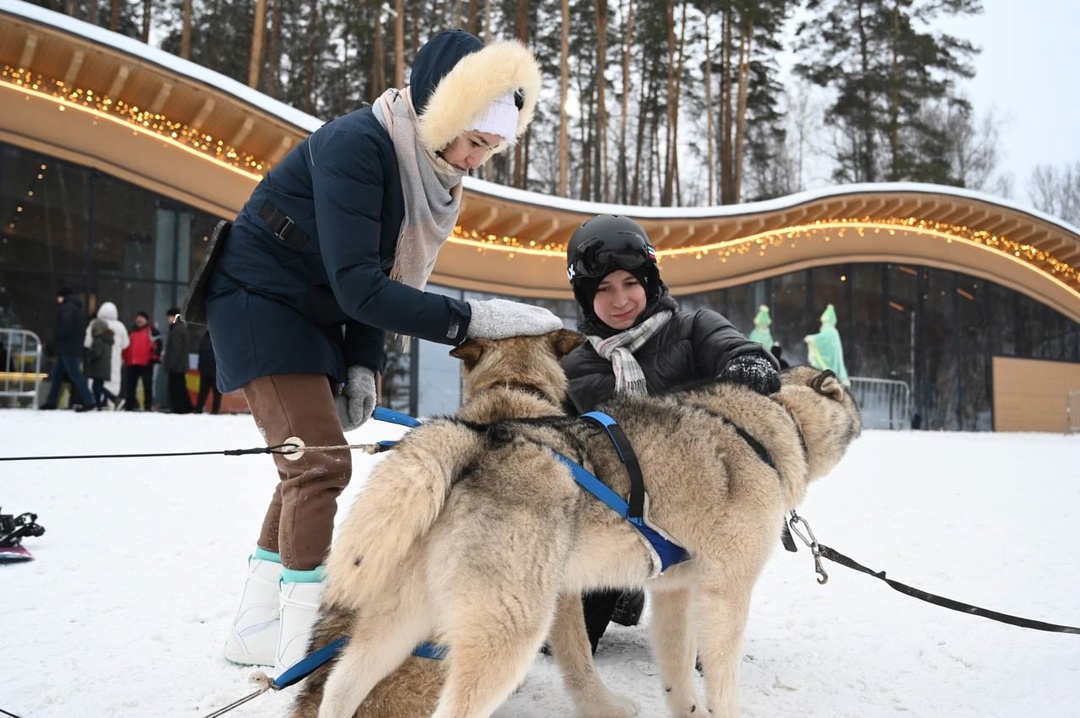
{"points": [[333, 250]]}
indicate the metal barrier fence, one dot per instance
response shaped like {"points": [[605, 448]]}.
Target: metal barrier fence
{"points": [[1072, 413], [20, 367], [884, 403]]}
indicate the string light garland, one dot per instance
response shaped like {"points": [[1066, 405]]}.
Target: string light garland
{"points": [[823, 230], [192, 139], [141, 120]]}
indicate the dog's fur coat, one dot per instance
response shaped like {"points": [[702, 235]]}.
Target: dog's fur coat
{"points": [[472, 532], [518, 377]]}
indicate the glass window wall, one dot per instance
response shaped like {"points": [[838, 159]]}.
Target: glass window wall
{"points": [[65, 225]]}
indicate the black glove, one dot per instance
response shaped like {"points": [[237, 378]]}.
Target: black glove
{"points": [[753, 371]]}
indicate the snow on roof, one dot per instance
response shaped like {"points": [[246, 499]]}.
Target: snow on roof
{"points": [[736, 210], [165, 60]]}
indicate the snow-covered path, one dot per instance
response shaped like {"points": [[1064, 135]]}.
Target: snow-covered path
{"points": [[125, 608]]}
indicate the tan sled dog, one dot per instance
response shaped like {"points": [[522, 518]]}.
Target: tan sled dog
{"points": [[472, 532], [518, 377]]}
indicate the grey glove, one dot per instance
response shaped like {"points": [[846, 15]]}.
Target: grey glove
{"points": [[501, 318], [357, 399], [753, 371]]}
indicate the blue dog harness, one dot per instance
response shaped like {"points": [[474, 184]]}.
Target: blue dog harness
{"points": [[664, 550]]}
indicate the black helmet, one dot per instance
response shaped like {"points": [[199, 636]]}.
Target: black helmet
{"points": [[604, 244]]}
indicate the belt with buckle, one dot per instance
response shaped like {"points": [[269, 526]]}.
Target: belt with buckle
{"points": [[282, 226]]}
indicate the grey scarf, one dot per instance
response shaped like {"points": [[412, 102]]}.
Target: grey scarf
{"points": [[619, 350], [431, 188]]}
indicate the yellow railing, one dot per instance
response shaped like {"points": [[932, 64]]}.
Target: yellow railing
{"points": [[15, 377]]}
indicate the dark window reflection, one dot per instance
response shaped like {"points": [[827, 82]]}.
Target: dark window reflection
{"points": [[43, 210], [65, 225], [792, 319]]}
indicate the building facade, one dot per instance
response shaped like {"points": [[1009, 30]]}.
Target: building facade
{"points": [[117, 160]]}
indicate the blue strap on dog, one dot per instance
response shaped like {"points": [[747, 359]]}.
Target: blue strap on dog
{"points": [[636, 508], [434, 651], [667, 552], [390, 416], [311, 663], [307, 665]]}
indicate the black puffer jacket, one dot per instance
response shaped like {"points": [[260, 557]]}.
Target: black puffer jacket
{"points": [[692, 346], [70, 329]]}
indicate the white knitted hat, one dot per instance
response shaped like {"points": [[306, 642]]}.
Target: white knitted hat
{"points": [[501, 118]]}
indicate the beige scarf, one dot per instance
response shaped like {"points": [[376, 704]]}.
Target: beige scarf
{"points": [[431, 187], [619, 350]]}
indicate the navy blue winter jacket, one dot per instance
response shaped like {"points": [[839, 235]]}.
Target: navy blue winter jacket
{"points": [[275, 308]]}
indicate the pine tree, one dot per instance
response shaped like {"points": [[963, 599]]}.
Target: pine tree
{"points": [[885, 63]]}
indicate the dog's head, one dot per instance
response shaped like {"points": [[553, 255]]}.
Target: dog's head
{"points": [[826, 413], [529, 364]]}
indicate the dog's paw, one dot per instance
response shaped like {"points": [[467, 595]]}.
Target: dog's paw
{"points": [[612, 707], [688, 707]]}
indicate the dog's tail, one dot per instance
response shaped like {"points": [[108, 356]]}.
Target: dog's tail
{"points": [[396, 508]]}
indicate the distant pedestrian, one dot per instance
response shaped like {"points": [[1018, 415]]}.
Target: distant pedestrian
{"points": [[67, 342], [112, 383], [207, 375], [176, 364], [143, 352], [99, 362]]}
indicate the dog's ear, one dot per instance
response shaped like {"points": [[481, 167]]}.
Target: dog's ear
{"points": [[828, 385], [565, 341], [470, 351]]}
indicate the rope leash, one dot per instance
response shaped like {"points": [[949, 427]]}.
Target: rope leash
{"points": [[293, 447], [259, 677], [303, 668], [820, 551], [280, 448]]}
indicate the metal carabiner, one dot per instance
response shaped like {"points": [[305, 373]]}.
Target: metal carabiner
{"points": [[811, 542]]}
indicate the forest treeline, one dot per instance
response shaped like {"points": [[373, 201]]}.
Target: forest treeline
{"points": [[663, 102]]}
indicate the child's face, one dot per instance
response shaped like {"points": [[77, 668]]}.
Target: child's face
{"points": [[619, 300]]}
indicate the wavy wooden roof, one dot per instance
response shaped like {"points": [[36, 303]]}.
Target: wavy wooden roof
{"points": [[79, 93]]}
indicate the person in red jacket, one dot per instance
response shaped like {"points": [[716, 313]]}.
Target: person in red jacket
{"points": [[140, 356]]}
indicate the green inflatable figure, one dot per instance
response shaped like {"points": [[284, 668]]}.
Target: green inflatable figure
{"points": [[824, 348], [761, 333]]}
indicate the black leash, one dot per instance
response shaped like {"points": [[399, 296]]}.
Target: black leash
{"points": [[8, 714], [287, 448], [821, 551]]}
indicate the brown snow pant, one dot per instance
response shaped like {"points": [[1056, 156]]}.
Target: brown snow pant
{"points": [[300, 520]]}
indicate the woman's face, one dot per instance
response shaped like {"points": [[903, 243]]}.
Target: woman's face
{"points": [[619, 300], [468, 151]]}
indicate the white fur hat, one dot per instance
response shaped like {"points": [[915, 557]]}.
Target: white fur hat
{"points": [[476, 81], [500, 119]]}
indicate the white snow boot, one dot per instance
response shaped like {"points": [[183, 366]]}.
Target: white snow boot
{"points": [[299, 609], [254, 633]]}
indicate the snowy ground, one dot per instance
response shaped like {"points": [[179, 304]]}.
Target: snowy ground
{"points": [[124, 610]]}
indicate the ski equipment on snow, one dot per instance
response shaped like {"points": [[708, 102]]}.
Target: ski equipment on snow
{"points": [[12, 530]]}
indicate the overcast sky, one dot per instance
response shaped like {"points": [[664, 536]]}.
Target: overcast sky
{"points": [[1027, 72]]}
